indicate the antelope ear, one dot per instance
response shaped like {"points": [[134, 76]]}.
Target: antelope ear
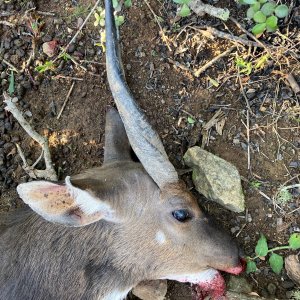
{"points": [[64, 204]]}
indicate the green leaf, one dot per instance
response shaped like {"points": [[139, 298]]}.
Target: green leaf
{"points": [[185, 11], [259, 28], [256, 6], [191, 120], [250, 12], [115, 3], [119, 20], [128, 3], [294, 241], [11, 88], [259, 17], [179, 1], [268, 8], [276, 263], [281, 11], [261, 248], [249, 1], [251, 266], [263, 1], [271, 23]]}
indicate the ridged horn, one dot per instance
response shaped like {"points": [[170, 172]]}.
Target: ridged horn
{"points": [[144, 140]]}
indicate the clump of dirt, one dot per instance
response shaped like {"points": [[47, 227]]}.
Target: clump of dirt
{"points": [[263, 143]]}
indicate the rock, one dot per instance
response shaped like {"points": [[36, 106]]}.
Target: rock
{"points": [[216, 179], [49, 48], [271, 288], [292, 266], [237, 296], [151, 290], [239, 285]]}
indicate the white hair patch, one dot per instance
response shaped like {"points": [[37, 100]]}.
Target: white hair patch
{"points": [[160, 237]]}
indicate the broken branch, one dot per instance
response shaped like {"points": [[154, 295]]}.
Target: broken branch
{"points": [[49, 173]]}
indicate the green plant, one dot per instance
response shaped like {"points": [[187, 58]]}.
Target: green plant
{"points": [[65, 56], [47, 66], [100, 17], [255, 184], [11, 87], [265, 14], [184, 9], [191, 120], [275, 260], [243, 66], [296, 295], [283, 196]]}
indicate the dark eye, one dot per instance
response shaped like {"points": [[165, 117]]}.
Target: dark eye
{"points": [[181, 215]]}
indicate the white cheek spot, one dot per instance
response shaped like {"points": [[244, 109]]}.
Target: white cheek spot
{"points": [[160, 237]]}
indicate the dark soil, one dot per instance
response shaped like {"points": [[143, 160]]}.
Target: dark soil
{"points": [[169, 95]]}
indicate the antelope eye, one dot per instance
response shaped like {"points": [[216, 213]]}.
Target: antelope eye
{"points": [[182, 215]]}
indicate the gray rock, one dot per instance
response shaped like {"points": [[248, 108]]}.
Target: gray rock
{"points": [[216, 179], [237, 296], [239, 285], [271, 288], [151, 290]]}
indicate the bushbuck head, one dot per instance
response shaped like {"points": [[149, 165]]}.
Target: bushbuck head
{"points": [[111, 227]]}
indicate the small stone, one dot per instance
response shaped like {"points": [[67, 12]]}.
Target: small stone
{"points": [[71, 48], [79, 22], [28, 113], [49, 48], [294, 164], [151, 290], [271, 288], [239, 284], [216, 179], [292, 266], [128, 67], [20, 52], [288, 284], [18, 43]]}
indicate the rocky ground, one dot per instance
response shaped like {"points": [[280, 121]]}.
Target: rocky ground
{"points": [[251, 120]]}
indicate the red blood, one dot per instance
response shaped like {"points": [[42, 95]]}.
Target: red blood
{"points": [[214, 288], [237, 270]]}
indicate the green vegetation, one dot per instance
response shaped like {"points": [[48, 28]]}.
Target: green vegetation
{"points": [[265, 14], [184, 9], [11, 88], [47, 66], [275, 260]]}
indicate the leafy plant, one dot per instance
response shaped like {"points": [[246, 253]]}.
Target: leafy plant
{"points": [[100, 17], [255, 184], [191, 120], [11, 87], [48, 65], [296, 295], [65, 56], [265, 14], [243, 66], [184, 9], [283, 195], [275, 260], [119, 20]]}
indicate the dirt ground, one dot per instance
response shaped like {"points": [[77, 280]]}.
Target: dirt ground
{"points": [[177, 103]]}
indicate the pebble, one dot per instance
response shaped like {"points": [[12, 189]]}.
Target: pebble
{"points": [[271, 288], [288, 284], [28, 113], [71, 48], [20, 52], [294, 164]]}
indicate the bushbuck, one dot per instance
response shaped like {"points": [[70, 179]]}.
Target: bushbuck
{"points": [[98, 234]]}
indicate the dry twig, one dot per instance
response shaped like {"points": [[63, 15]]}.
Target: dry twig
{"points": [[157, 21], [49, 173], [228, 36], [66, 100], [215, 59]]}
